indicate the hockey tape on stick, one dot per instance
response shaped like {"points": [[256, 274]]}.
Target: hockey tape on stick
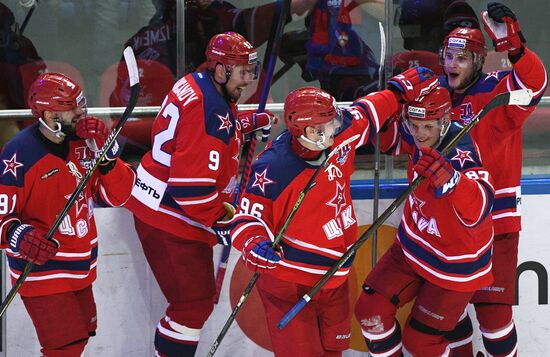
{"points": [[134, 93], [256, 275], [519, 97]]}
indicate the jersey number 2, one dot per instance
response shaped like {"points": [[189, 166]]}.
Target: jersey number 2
{"points": [[172, 113]]}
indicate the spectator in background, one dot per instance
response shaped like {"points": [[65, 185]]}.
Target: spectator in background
{"points": [[337, 56], [15, 51]]}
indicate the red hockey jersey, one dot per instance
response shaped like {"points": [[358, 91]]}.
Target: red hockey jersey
{"points": [[324, 226], [192, 168], [447, 240], [37, 178], [499, 134]]}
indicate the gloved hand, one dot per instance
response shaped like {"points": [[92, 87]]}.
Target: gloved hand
{"points": [[502, 27], [222, 227], [95, 132], [31, 244], [250, 121], [413, 84], [438, 170], [258, 255]]}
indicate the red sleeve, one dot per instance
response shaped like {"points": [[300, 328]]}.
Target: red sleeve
{"points": [[195, 166], [115, 187], [255, 218], [371, 112], [473, 196], [528, 72]]}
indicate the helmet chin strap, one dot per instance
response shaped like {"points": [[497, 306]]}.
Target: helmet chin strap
{"points": [[319, 143], [57, 131]]}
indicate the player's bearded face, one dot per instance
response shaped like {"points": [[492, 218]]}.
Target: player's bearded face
{"points": [[426, 133], [69, 118], [241, 77], [459, 68]]}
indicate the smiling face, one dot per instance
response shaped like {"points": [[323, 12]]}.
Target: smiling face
{"points": [[426, 133]]}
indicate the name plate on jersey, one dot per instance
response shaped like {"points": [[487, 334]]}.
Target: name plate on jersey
{"points": [[148, 189]]}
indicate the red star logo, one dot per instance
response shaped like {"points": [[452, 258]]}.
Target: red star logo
{"points": [[462, 157], [225, 122], [339, 200], [260, 180], [12, 165], [417, 204], [492, 74]]}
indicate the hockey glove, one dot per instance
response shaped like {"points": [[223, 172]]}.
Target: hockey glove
{"points": [[250, 121], [413, 84], [31, 244], [434, 167], [222, 227], [502, 27], [95, 132], [258, 255]]}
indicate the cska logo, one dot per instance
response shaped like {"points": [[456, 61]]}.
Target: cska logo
{"points": [[466, 113], [343, 39], [343, 154]]}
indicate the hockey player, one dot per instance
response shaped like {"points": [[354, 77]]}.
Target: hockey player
{"points": [[325, 224], [499, 137], [180, 200], [40, 169], [442, 254]]}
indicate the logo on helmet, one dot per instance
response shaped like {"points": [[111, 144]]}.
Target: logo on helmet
{"points": [[455, 42], [416, 112]]}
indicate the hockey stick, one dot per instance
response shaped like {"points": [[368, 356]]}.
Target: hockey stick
{"points": [[279, 17], [134, 92], [289, 218], [517, 97], [28, 3], [376, 193]]}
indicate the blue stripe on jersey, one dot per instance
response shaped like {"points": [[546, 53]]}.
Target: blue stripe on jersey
{"points": [[190, 191], [28, 150], [465, 268], [18, 264], [219, 121], [506, 202], [490, 200], [372, 126], [301, 256], [281, 171], [168, 201]]}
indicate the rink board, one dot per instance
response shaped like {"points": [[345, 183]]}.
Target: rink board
{"points": [[130, 303]]}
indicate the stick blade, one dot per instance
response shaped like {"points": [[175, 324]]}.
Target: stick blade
{"points": [[131, 65], [520, 97]]}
